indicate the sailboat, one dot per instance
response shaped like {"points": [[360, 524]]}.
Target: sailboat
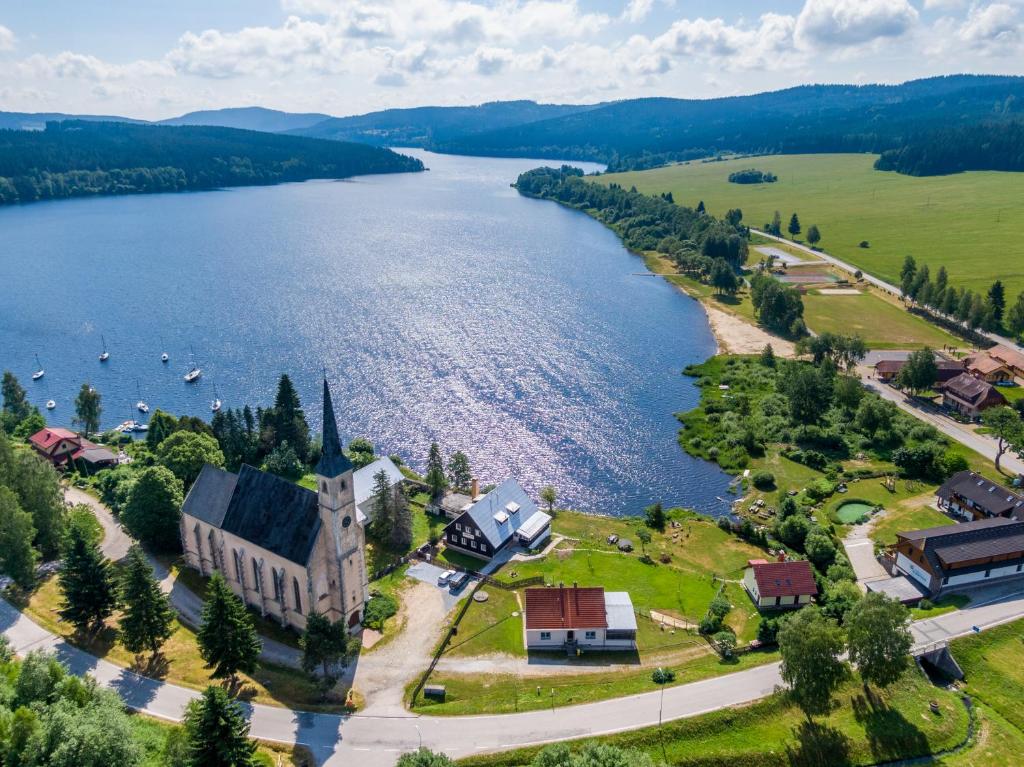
{"points": [[39, 370], [140, 405], [164, 357], [215, 405], [194, 372], [104, 355]]}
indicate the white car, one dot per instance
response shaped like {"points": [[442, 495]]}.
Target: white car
{"points": [[443, 578]]}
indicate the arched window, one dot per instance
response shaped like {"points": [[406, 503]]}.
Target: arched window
{"points": [[298, 595], [277, 578], [239, 570], [199, 546], [323, 486], [213, 550], [256, 575]]}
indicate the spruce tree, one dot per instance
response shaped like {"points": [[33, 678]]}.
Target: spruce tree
{"points": [[401, 526], [459, 474], [227, 639], [218, 734], [16, 403], [997, 301], [90, 595], [435, 471], [289, 420], [383, 519], [148, 619], [794, 225]]}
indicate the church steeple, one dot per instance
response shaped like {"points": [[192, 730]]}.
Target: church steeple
{"points": [[333, 462]]}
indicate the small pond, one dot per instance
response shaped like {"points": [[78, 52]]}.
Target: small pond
{"points": [[854, 511]]}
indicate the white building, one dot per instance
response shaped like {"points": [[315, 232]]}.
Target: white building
{"points": [[588, 618], [780, 585]]}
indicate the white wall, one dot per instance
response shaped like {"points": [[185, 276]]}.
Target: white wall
{"points": [[915, 571]]}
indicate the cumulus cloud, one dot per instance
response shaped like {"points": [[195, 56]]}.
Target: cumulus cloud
{"points": [[832, 23], [7, 39], [69, 65], [992, 28]]}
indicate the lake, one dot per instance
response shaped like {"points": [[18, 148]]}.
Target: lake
{"points": [[443, 306]]}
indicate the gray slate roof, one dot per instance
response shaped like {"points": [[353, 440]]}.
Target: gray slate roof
{"points": [[980, 539], [210, 495], [483, 511], [996, 500], [332, 460]]}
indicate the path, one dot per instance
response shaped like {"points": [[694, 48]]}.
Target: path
{"points": [[189, 605], [860, 550], [376, 741]]}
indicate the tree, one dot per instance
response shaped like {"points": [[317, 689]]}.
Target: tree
{"points": [[17, 557], [549, 496], [153, 510], [1006, 426], [284, 462], [811, 646], [794, 225], [90, 595], [383, 518], [768, 356], [654, 516], [88, 409], [908, 272], [37, 486], [186, 452], [700, 208], [435, 471], [819, 549], [839, 598], [919, 372], [793, 530], [879, 637], [733, 216], [360, 452], [161, 426], [847, 392], [723, 278], [227, 639], [148, 618], [809, 392], [324, 644], [997, 301], [401, 528], [286, 421], [645, 537], [16, 404], [1015, 317], [459, 474], [424, 757], [813, 235], [776, 226], [218, 734]]}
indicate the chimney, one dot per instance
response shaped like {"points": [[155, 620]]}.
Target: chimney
{"points": [[782, 556], [474, 488]]}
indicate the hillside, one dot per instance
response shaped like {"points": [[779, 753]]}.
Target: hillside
{"points": [[78, 158], [249, 118], [814, 118], [38, 120]]}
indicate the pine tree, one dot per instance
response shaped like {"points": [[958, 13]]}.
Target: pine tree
{"points": [[997, 301], [401, 526], [148, 619], [227, 639], [459, 474], [794, 225], [383, 520], [90, 595], [16, 402], [218, 734], [435, 471]]}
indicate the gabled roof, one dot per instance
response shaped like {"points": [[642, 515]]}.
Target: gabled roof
{"points": [[943, 531], [994, 499], [985, 365], [333, 460], [565, 608], [210, 495], [501, 512], [45, 439], [785, 579], [949, 545], [1010, 356], [972, 390]]}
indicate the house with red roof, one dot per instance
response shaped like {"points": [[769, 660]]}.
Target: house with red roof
{"points": [[63, 447], [589, 618], [780, 585]]}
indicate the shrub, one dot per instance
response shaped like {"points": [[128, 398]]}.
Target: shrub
{"points": [[378, 610], [819, 489], [663, 675], [926, 604], [763, 480], [725, 643], [863, 244], [710, 624]]}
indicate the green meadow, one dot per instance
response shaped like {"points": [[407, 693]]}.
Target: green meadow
{"points": [[969, 222]]}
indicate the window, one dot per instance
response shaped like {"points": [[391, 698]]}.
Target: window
{"points": [[591, 635], [256, 576], [473, 544], [278, 578], [463, 541], [213, 550], [298, 595], [483, 547], [239, 570], [458, 525], [199, 546], [945, 580], [545, 636]]}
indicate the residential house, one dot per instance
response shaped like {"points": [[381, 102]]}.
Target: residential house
{"points": [[1012, 358], [887, 370], [970, 496], [989, 369], [63, 447], [951, 556], [780, 585], [588, 618], [364, 481], [506, 515], [969, 395]]}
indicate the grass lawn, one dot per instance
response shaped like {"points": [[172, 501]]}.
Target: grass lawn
{"points": [[863, 729], [489, 627], [181, 662], [151, 735], [911, 514], [505, 693], [946, 604], [997, 743], [969, 222], [993, 665], [882, 324]]}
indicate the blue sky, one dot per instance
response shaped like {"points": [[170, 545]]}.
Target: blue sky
{"points": [[156, 59]]}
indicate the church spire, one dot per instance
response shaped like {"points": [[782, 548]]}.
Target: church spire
{"points": [[332, 460]]}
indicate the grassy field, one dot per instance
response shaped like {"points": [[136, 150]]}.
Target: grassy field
{"points": [[863, 729], [969, 222], [490, 627], [913, 514], [881, 323]]}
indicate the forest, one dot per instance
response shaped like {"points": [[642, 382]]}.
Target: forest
{"points": [[988, 146], [78, 158]]}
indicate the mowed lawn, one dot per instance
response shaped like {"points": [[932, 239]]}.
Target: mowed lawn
{"points": [[969, 222], [882, 325]]}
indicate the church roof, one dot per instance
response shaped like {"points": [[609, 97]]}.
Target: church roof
{"points": [[263, 509], [332, 460]]}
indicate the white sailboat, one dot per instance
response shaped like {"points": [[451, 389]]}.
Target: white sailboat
{"points": [[194, 372], [39, 370], [164, 356], [215, 404], [104, 355], [141, 406]]}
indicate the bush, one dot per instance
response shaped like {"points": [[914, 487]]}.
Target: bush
{"points": [[663, 676], [763, 480], [378, 610], [768, 630], [926, 604], [725, 643], [820, 489]]}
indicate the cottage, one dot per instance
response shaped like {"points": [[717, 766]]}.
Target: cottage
{"points": [[943, 558], [887, 370], [503, 516], [989, 369], [1012, 358], [969, 395], [283, 549], [63, 447], [591, 618], [970, 496], [780, 585]]}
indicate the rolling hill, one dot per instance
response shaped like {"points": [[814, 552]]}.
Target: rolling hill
{"points": [[250, 118]]}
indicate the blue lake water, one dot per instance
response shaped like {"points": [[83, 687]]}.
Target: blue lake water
{"points": [[443, 305]]}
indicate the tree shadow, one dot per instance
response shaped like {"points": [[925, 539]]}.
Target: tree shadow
{"points": [[154, 666], [890, 735], [818, 745]]}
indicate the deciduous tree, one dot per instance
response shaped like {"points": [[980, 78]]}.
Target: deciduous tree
{"points": [[186, 452], [16, 404], [879, 637], [549, 496], [37, 486], [459, 474], [919, 372], [17, 557], [811, 646], [324, 644], [813, 235], [153, 510], [88, 409], [1005, 425]]}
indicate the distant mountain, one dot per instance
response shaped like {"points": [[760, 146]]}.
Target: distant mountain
{"points": [[38, 120], [812, 118], [250, 118], [430, 126], [76, 158]]}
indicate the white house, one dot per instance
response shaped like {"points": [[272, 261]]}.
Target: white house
{"points": [[588, 618], [780, 585]]}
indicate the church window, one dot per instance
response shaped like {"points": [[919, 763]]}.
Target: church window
{"points": [[298, 595], [323, 486], [213, 550], [239, 570], [341, 484], [199, 547], [256, 575], [277, 578]]}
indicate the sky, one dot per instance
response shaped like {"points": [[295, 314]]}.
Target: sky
{"points": [[153, 59]]}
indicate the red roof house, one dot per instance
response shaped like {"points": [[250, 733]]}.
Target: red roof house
{"points": [[780, 585], [576, 617], [63, 446]]}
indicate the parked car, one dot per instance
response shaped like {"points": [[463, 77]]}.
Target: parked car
{"points": [[457, 581], [444, 578]]}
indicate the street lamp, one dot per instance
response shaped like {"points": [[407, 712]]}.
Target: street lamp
{"points": [[419, 734]]}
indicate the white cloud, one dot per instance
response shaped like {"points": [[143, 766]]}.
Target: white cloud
{"points": [[836, 23], [7, 39], [69, 65], [637, 10], [992, 28]]}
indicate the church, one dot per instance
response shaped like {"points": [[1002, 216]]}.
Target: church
{"points": [[286, 550]]}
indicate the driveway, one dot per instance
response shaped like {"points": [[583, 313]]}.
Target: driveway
{"points": [[428, 574], [861, 551]]}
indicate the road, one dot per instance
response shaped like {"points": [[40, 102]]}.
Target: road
{"points": [[376, 741]]}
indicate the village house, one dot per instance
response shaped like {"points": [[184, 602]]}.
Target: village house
{"points": [[1012, 358], [65, 448], [969, 395], [887, 370], [283, 549], [950, 556], [452, 502], [587, 618], [970, 496], [504, 516], [988, 369], [780, 585]]}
